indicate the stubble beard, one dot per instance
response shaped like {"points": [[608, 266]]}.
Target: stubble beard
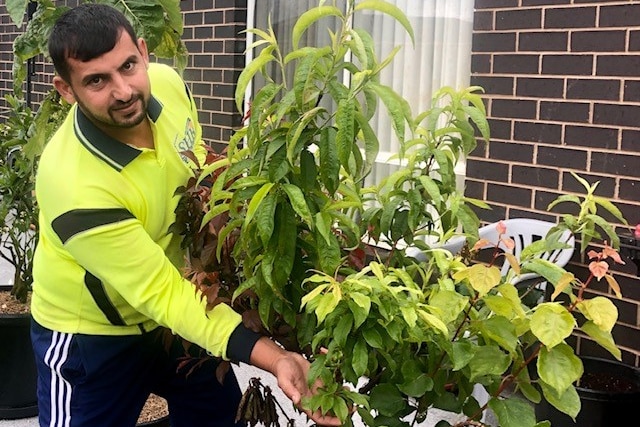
{"points": [[115, 119]]}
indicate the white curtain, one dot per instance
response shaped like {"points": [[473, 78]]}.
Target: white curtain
{"points": [[440, 57]]}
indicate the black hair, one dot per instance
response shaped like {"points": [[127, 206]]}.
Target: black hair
{"points": [[86, 32]]}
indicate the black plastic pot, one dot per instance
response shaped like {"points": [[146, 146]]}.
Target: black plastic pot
{"points": [[18, 375], [617, 396]]}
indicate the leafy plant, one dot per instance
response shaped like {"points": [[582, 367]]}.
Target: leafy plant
{"points": [[318, 258]]}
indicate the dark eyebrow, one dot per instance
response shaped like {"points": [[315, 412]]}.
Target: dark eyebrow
{"points": [[87, 79]]}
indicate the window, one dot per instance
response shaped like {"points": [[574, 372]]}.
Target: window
{"points": [[440, 57]]}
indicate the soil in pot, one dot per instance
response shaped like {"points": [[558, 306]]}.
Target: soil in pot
{"points": [[155, 413], [17, 364], [608, 390]]}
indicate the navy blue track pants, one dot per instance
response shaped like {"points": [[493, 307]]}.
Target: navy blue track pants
{"points": [[104, 381]]}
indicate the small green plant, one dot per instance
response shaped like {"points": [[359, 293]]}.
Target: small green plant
{"points": [[18, 210]]}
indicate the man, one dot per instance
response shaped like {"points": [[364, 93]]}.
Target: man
{"points": [[106, 270]]}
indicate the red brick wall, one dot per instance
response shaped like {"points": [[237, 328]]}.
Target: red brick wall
{"points": [[562, 81]]}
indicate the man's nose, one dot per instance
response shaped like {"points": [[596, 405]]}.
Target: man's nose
{"points": [[121, 89]]}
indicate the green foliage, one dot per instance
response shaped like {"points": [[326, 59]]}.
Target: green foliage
{"points": [[413, 335]]}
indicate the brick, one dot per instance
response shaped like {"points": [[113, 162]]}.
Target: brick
{"points": [[634, 40], [213, 17], [620, 16], [561, 157], [228, 61], [617, 65], [202, 4], [537, 132], [567, 64], [540, 87], [488, 170], [225, 91], [511, 152], [513, 108], [492, 4], [202, 61], [543, 41], [615, 114], [616, 164], [593, 89], [510, 195], [192, 18], [522, 213], [494, 42], [474, 189], [483, 21], [535, 176], [591, 136], [570, 17], [494, 214], [598, 41], [227, 31], [518, 19], [516, 64], [564, 111], [495, 85], [542, 199], [544, 2], [630, 140], [500, 129], [629, 189], [480, 63], [204, 32]]}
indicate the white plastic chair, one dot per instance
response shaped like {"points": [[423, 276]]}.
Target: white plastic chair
{"points": [[523, 232]]}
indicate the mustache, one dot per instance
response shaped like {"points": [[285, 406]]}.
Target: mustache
{"points": [[119, 105]]}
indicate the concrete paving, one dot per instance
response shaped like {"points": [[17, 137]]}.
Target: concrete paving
{"points": [[244, 374]]}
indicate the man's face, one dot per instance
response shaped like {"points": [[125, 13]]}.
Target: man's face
{"points": [[113, 89]]}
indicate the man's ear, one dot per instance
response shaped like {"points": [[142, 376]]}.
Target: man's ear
{"points": [[144, 51], [64, 89]]}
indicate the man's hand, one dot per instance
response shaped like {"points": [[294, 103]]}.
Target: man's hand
{"points": [[291, 371]]}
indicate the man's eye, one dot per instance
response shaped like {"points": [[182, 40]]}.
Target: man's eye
{"points": [[128, 66], [95, 81]]}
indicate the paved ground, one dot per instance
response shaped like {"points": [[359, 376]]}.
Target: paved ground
{"points": [[244, 374]]}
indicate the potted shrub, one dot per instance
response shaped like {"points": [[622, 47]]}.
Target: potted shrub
{"points": [[283, 227], [18, 215]]}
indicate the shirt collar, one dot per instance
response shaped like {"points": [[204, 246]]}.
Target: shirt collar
{"points": [[115, 153]]}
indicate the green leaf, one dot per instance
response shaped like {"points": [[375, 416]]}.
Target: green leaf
{"points": [[389, 9], [308, 18], [16, 9], [604, 338], [373, 337], [387, 399], [397, 107], [559, 367], [568, 401], [513, 412], [247, 75], [256, 200], [360, 357], [298, 202], [328, 302], [346, 130], [551, 323]]}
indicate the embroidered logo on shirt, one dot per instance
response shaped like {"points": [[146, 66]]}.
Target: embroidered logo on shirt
{"points": [[188, 141]]}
